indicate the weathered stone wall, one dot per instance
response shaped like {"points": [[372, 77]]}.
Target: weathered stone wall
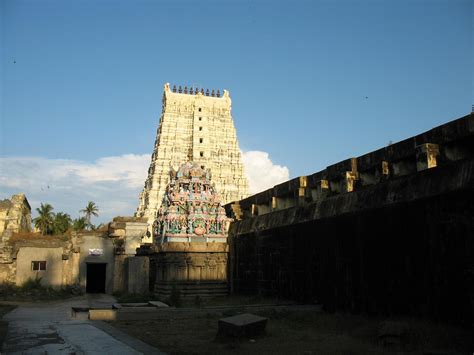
{"points": [[21, 249], [138, 274], [15, 215], [127, 234], [69, 267], [390, 232]]}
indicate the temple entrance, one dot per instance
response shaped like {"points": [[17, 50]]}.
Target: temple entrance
{"points": [[95, 282]]}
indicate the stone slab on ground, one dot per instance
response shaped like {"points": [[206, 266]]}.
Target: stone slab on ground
{"points": [[242, 325], [102, 314], [134, 304], [158, 304]]}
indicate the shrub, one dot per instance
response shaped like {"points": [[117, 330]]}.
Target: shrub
{"points": [[31, 285]]}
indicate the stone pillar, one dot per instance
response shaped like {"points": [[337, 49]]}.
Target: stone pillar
{"points": [[351, 177], [303, 183], [274, 203], [120, 266], [320, 191], [138, 274], [427, 156]]}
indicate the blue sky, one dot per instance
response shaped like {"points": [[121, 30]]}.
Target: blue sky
{"points": [[312, 82]]}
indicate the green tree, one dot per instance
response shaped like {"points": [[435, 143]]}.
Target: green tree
{"points": [[79, 224], [96, 227], [62, 222], [90, 210], [44, 221]]}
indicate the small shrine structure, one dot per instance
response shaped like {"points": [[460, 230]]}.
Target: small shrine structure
{"points": [[189, 250], [191, 209]]}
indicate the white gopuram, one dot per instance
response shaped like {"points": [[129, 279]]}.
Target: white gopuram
{"points": [[195, 125]]}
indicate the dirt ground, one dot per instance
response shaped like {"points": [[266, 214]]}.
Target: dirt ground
{"points": [[292, 330], [4, 309]]}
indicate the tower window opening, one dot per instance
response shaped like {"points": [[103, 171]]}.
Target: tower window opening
{"points": [[200, 118], [199, 109], [202, 167], [200, 140], [200, 128], [201, 154]]}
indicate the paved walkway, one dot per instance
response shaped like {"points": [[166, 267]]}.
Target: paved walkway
{"points": [[48, 329]]}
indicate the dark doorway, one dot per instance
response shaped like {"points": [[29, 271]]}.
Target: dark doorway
{"points": [[96, 278]]}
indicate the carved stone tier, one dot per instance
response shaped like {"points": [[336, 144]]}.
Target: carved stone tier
{"points": [[193, 269]]}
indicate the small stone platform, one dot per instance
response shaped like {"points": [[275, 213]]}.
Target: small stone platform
{"points": [[242, 325]]}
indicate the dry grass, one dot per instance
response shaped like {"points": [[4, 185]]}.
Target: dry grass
{"points": [[33, 291], [129, 219], [295, 332], [27, 236]]}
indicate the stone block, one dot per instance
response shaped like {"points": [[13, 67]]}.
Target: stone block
{"points": [[158, 304], [102, 314], [242, 325], [393, 334], [134, 304]]}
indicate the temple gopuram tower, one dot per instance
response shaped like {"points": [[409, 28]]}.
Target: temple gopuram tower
{"points": [[195, 125]]}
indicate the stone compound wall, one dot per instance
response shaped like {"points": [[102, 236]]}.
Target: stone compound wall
{"points": [[390, 232], [197, 128], [20, 251], [52, 276], [67, 257]]}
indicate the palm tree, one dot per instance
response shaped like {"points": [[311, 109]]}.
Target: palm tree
{"points": [[79, 224], [94, 228], [44, 222], [62, 222], [90, 210]]}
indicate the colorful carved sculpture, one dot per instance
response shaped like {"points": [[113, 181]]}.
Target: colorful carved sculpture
{"points": [[191, 208]]}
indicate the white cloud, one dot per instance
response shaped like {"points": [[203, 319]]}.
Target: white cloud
{"points": [[261, 172], [113, 183]]}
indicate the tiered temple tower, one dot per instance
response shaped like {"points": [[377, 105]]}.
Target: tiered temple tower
{"points": [[195, 125]]}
